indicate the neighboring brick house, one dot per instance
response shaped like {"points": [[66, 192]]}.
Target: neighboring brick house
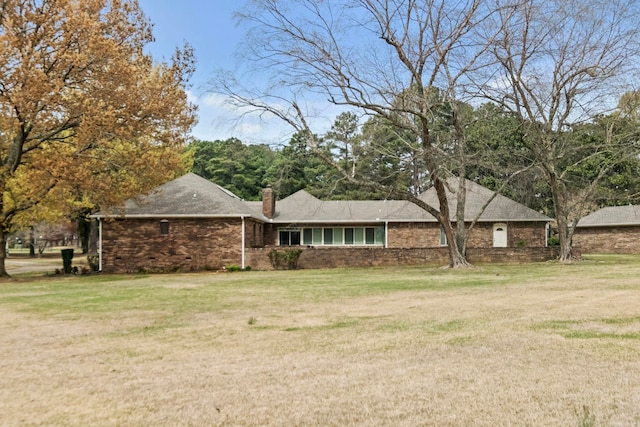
{"points": [[193, 224], [614, 229]]}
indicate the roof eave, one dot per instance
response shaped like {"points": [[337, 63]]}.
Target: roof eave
{"points": [[328, 221], [158, 216], [627, 224]]}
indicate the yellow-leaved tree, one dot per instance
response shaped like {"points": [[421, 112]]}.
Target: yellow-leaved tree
{"points": [[87, 118]]}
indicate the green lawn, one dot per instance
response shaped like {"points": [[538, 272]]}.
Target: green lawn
{"points": [[536, 344], [195, 292]]}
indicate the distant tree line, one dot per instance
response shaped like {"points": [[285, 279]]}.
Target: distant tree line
{"points": [[497, 146]]}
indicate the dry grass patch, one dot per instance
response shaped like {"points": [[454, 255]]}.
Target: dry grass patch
{"points": [[542, 344]]}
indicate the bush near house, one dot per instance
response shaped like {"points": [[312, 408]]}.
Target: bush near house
{"points": [[284, 260]]}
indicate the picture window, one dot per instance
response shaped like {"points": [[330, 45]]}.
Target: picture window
{"points": [[337, 236]]}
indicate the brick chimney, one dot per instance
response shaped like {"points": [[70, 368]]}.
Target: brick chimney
{"points": [[268, 202]]}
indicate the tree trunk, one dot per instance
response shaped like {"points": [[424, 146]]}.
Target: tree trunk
{"points": [[93, 237], [457, 258], [564, 234], [3, 252], [565, 237], [32, 242], [461, 192], [84, 231]]}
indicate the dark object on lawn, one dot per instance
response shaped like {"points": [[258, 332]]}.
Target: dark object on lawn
{"points": [[67, 257]]}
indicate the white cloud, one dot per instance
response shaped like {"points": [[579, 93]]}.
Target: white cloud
{"points": [[219, 119], [213, 100]]}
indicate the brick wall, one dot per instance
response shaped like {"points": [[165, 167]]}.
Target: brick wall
{"points": [[427, 235], [413, 235], [617, 240], [198, 244], [332, 257], [192, 244], [528, 234]]}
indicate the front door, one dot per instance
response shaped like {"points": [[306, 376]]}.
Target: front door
{"points": [[500, 235]]}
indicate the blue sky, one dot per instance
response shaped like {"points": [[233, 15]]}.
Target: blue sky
{"points": [[209, 27]]}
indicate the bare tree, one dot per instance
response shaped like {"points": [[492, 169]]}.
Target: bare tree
{"points": [[561, 63], [380, 57]]}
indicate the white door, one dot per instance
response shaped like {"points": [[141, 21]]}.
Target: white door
{"points": [[500, 235]]}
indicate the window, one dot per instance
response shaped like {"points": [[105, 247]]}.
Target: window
{"points": [[307, 236], [358, 236], [317, 236], [443, 237], [348, 236], [339, 236], [328, 236], [369, 236], [289, 237], [255, 234], [164, 227]]}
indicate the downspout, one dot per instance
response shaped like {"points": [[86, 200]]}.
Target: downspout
{"points": [[243, 245], [100, 244], [386, 234], [546, 234]]}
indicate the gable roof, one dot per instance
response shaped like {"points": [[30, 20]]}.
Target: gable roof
{"points": [[500, 209], [187, 196], [612, 216]]}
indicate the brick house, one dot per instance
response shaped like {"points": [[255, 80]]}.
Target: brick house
{"points": [[191, 223], [614, 229]]}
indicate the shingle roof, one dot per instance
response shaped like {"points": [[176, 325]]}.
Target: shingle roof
{"points": [[612, 216], [187, 196], [501, 208], [193, 196], [303, 207]]}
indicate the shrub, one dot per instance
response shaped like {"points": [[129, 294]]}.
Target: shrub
{"points": [[554, 241], [274, 258], [287, 259], [291, 257], [233, 268], [94, 262], [522, 243]]}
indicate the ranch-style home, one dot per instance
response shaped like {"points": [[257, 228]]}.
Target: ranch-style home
{"points": [[193, 224], [614, 229]]}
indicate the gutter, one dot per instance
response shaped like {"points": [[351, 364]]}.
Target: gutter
{"points": [[337, 221], [546, 234], [386, 234], [164, 216], [607, 225], [386, 221], [243, 244], [99, 244]]}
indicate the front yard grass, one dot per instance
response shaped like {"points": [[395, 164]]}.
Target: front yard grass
{"points": [[530, 344]]}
